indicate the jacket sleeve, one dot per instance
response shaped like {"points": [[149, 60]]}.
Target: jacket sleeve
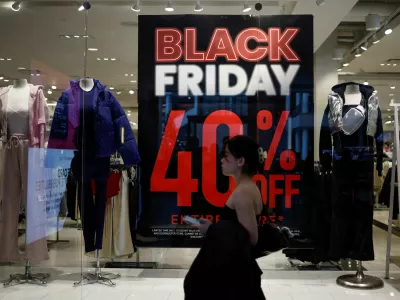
{"points": [[325, 142], [42, 118], [379, 143], [128, 148], [59, 127]]}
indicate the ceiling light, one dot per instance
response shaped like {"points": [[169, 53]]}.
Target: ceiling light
{"points": [[38, 74], [393, 87], [6, 80], [49, 92], [129, 115], [76, 36], [16, 6], [365, 46], [84, 6], [131, 75], [111, 88], [67, 36], [394, 65], [358, 53], [320, 2], [340, 69], [8, 59], [372, 22], [113, 59], [388, 109], [169, 6], [53, 87], [85, 36], [119, 93], [366, 83], [93, 49], [391, 95], [198, 6], [1, 58], [126, 74], [129, 111], [382, 65], [1, 78], [98, 58], [131, 92], [246, 7], [345, 64], [388, 31], [133, 81], [375, 39], [388, 122], [21, 68], [105, 58], [136, 6], [388, 64]]}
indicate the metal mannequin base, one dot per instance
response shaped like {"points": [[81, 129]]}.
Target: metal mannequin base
{"points": [[27, 278], [360, 280], [97, 276]]}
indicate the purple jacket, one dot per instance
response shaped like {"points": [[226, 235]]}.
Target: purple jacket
{"points": [[110, 118]]}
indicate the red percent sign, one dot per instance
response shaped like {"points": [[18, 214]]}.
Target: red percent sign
{"points": [[184, 185]]}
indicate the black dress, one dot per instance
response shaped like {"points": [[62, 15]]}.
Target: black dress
{"points": [[225, 267]]}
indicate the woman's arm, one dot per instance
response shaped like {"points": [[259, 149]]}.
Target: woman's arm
{"points": [[245, 212]]}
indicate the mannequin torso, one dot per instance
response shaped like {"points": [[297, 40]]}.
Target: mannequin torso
{"points": [[352, 95], [18, 106]]}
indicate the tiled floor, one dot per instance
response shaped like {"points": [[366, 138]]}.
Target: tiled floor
{"points": [[281, 280], [150, 285]]}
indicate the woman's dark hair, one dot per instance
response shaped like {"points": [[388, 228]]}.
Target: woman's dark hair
{"points": [[244, 146]]}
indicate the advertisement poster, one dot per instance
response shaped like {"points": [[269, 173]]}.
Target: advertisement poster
{"points": [[203, 79], [48, 171]]}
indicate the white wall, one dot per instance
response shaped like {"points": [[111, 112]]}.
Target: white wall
{"points": [[325, 76]]}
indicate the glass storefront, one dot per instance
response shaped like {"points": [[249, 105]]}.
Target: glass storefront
{"points": [[114, 118]]}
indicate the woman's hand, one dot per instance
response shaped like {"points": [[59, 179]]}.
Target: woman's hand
{"points": [[203, 227]]}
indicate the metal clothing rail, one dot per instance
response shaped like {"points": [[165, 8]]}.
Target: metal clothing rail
{"points": [[396, 155]]}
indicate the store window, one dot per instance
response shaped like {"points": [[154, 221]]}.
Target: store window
{"points": [[114, 121]]}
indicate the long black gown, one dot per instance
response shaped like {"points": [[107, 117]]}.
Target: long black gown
{"points": [[225, 267]]}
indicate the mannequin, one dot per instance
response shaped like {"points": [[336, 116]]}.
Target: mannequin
{"points": [[94, 121], [352, 124], [22, 124], [352, 94]]}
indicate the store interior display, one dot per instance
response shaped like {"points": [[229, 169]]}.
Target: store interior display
{"points": [[351, 127], [71, 95], [22, 121]]}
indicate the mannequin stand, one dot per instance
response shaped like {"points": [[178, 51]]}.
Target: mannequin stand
{"points": [[57, 240], [360, 280], [98, 276], [27, 278]]}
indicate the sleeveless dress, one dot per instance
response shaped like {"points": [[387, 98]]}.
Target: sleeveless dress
{"points": [[225, 267]]}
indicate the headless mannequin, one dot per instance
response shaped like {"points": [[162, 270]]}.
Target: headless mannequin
{"points": [[86, 84], [352, 94]]}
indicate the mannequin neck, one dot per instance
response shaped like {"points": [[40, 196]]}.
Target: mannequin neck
{"points": [[352, 95], [86, 84], [352, 89], [20, 83]]}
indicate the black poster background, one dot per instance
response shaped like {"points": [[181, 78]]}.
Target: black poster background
{"points": [[156, 208]]}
